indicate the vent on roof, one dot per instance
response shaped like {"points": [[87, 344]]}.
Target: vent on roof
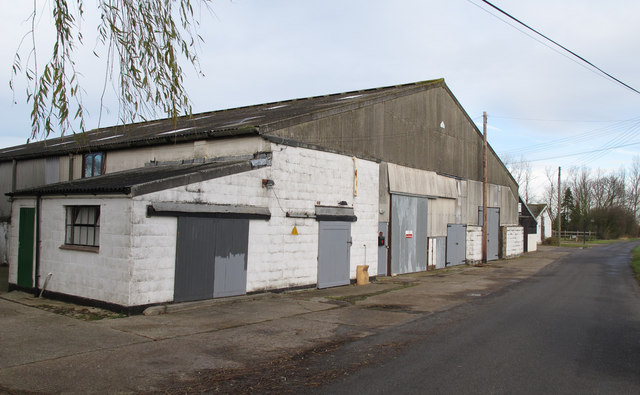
{"points": [[240, 122], [63, 143], [11, 150], [275, 107], [202, 117], [173, 131], [348, 97], [109, 138], [146, 125]]}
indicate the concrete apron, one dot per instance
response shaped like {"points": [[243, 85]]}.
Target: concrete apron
{"points": [[47, 352]]}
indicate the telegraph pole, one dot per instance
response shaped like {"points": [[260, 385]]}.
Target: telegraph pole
{"points": [[559, 207], [484, 187]]}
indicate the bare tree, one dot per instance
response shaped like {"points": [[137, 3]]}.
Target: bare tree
{"points": [[522, 173], [551, 194], [609, 190], [145, 42], [580, 184], [633, 186]]}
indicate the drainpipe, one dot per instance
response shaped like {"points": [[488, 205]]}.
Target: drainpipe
{"points": [[14, 170], [37, 268]]}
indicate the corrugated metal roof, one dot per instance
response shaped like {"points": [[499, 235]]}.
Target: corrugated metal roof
{"points": [[216, 124], [140, 181]]}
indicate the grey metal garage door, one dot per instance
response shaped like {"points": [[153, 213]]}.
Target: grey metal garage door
{"points": [[211, 258], [493, 231], [456, 244], [334, 242], [408, 234]]}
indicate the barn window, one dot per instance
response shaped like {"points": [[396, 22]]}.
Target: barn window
{"points": [[83, 226], [92, 164]]}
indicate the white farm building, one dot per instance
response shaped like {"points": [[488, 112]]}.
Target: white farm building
{"points": [[273, 196]]}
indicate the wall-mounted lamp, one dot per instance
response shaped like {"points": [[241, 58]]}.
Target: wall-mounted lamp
{"points": [[267, 183]]}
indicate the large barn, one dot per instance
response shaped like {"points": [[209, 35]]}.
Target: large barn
{"points": [[273, 196]]}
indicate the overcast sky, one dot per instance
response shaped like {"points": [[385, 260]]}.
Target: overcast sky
{"points": [[542, 104]]}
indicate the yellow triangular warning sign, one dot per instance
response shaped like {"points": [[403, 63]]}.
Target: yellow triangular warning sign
{"points": [[294, 231]]}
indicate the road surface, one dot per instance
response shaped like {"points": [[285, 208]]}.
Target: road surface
{"points": [[572, 328]]}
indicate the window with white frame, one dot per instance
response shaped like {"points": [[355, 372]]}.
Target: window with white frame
{"points": [[82, 226]]}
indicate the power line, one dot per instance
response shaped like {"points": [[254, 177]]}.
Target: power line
{"points": [[621, 131], [554, 120], [579, 153], [554, 49], [560, 46]]}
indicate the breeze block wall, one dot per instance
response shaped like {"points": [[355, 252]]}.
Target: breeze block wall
{"points": [[103, 275], [512, 241], [474, 244], [277, 258], [303, 179]]}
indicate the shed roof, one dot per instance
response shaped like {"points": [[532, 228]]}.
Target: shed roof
{"points": [[216, 124], [536, 209], [142, 180]]}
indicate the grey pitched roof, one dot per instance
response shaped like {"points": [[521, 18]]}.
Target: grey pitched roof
{"points": [[248, 120], [536, 209], [143, 180]]}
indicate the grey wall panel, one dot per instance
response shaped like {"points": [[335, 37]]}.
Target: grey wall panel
{"points": [[30, 173], [383, 227], [493, 231], [232, 243], [409, 216], [427, 130], [456, 244], [334, 241], [441, 213], [441, 245], [422, 233], [195, 258], [383, 195], [6, 176], [52, 170], [211, 258]]}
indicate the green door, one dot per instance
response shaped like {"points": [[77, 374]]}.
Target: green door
{"points": [[25, 247]]}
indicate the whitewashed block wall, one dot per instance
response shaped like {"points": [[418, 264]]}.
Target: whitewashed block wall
{"points": [[512, 241], [474, 244]]}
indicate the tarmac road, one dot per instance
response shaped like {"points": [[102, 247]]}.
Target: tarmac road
{"points": [[462, 329], [574, 327]]}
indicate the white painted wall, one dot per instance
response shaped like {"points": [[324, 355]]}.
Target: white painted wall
{"points": [[4, 243], [13, 236], [546, 230], [512, 241], [102, 276], [153, 256], [474, 244], [303, 179], [532, 245]]}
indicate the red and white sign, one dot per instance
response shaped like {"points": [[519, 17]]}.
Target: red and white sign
{"points": [[408, 234]]}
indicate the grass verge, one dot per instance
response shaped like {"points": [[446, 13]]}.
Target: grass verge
{"points": [[592, 243], [635, 262]]}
